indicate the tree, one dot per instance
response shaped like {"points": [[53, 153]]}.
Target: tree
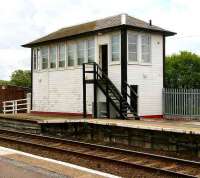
{"points": [[21, 78], [4, 82], [183, 70]]}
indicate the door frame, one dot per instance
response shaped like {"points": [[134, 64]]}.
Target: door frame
{"points": [[101, 57], [134, 104]]}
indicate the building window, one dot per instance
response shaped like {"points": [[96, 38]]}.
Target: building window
{"points": [[146, 46], [132, 47], [80, 52], [115, 47], [44, 57], [61, 55], [71, 55], [91, 50], [52, 56]]}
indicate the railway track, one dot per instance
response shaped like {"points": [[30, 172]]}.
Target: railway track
{"points": [[156, 164]]}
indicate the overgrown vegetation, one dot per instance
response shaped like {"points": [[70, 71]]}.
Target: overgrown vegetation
{"points": [[183, 70], [4, 82]]}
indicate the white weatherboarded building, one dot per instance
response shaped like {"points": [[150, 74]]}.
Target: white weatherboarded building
{"points": [[130, 53]]}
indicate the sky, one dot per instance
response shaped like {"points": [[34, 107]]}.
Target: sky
{"points": [[22, 21]]}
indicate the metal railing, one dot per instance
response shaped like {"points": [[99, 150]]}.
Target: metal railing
{"points": [[14, 106], [181, 102]]}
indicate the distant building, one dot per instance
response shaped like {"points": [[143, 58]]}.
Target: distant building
{"points": [[129, 51]]}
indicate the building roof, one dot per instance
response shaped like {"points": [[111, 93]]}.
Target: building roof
{"points": [[99, 25]]}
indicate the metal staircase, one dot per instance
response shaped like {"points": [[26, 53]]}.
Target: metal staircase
{"points": [[113, 95]]}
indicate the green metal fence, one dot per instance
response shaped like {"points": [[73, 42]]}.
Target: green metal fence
{"points": [[181, 102]]}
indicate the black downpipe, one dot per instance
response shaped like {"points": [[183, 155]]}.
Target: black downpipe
{"points": [[84, 93], [124, 62], [164, 80], [95, 91], [31, 78]]}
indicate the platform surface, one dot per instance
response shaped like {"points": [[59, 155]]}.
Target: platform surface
{"points": [[149, 124], [16, 164]]}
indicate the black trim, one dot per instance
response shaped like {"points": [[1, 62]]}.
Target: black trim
{"points": [[164, 80], [124, 61], [134, 97], [31, 78], [95, 91], [84, 94]]}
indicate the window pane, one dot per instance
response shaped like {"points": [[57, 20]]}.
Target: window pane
{"points": [[115, 39], [145, 58], [80, 52], [132, 47], [115, 56], [61, 55], [44, 55], [91, 50], [91, 55], [132, 38], [145, 39], [115, 47], [71, 55], [52, 56], [146, 48], [132, 57], [91, 43]]}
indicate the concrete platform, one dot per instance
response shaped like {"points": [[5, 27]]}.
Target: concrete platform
{"points": [[187, 127], [15, 164]]}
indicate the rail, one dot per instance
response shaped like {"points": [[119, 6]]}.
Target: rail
{"points": [[162, 166]]}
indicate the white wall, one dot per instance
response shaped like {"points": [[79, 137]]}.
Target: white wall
{"points": [[57, 90], [61, 90], [149, 78]]}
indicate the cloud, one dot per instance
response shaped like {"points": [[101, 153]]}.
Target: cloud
{"points": [[22, 21], [12, 59]]}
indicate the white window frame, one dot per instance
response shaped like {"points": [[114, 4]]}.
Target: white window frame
{"points": [[56, 60], [138, 47], [67, 53], [47, 58], [84, 51], [37, 61], [87, 48], [150, 49], [111, 61], [58, 55]]}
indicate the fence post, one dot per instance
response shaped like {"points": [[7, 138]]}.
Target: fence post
{"points": [[15, 107], [163, 96], [28, 100], [4, 108]]}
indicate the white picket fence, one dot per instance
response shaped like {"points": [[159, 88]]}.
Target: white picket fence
{"points": [[183, 103], [14, 106]]}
